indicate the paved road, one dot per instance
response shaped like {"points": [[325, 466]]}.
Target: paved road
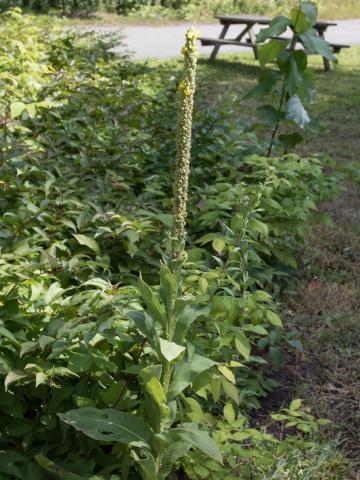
{"points": [[166, 41]]}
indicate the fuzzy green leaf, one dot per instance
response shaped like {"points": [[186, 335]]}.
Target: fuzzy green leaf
{"points": [[109, 425]]}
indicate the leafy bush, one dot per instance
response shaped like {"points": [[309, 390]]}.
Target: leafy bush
{"points": [[88, 164], [67, 7]]}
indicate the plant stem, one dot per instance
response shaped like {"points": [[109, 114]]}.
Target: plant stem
{"points": [[283, 90]]}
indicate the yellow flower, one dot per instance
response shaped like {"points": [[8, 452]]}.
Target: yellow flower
{"points": [[182, 85], [192, 34]]}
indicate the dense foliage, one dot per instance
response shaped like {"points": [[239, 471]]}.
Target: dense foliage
{"points": [[86, 200], [66, 7]]}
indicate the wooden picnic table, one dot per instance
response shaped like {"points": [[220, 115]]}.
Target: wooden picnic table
{"points": [[247, 37]]}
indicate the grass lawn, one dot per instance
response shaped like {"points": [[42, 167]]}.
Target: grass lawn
{"points": [[325, 307]]}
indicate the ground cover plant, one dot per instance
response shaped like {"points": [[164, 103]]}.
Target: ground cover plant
{"points": [[85, 208]]}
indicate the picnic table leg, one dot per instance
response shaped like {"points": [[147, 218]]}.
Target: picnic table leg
{"points": [[253, 41], [327, 65], [216, 47]]}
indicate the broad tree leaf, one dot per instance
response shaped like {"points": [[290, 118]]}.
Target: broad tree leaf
{"points": [[4, 332], [109, 425], [170, 350], [54, 292], [299, 20], [269, 114], [273, 319], [16, 109], [266, 83], [13, 377], [229, 412], [277, 27], [27, 347], [315, 44], [290, 140], [88, 242], [243, 345], [199, 439], [296, 112], [269, 51], [310, 11], [228, 374], [98, 283], [300, 58], [41, 379], [293, 77]]}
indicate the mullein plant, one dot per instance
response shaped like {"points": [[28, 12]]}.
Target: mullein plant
{"points": [[156, 436]]}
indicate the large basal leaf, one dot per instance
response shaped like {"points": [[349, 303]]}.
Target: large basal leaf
{"points": [[198, 439], [57, 470], [170, 350], [186, 372], [109, 425], [155, 309], [155, 403], [172, 454], [144, 323], [148, 467], [296, 112], [185, 318], [168, 289]]}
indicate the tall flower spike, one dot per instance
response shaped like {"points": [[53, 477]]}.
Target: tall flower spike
{"points": [[183, 142]]}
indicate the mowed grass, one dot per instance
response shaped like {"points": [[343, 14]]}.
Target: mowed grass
{"points": [[325, 308]]}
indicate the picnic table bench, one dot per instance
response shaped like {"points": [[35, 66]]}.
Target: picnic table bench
{"points": [[247, 37]]}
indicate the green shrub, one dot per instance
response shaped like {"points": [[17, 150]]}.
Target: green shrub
{"points": [[68, 7]]}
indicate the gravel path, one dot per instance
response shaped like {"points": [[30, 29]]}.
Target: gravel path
{"points": [[166, 41]]}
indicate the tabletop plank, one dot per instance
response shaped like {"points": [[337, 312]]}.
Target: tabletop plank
{"points": [[262, 20]]}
